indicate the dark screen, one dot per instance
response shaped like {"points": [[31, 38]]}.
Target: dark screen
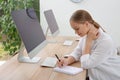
{"points": [[51, 21], [29, 28]]}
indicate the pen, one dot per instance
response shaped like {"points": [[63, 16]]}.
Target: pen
{"points": [[57, 57]]}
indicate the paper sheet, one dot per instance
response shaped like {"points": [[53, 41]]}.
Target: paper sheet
{"points": [[68, 70]]}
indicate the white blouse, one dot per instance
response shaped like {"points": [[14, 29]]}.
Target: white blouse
{"points": [[102, 63]]}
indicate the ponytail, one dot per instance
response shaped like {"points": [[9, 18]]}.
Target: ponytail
{"points": [[97, 25]]}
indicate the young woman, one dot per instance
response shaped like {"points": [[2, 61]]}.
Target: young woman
{"points": [[95, 51]]}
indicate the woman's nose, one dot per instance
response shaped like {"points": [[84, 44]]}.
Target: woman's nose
{"points": [[76, 32]]}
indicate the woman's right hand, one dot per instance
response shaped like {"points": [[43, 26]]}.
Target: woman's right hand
{"points": [[62, 62], [65, 61]]}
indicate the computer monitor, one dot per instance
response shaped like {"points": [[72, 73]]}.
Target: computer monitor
{"points": [[30, 32], [52, 24]]}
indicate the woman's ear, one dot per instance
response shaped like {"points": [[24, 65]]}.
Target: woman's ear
{"points": [[87, 24]]}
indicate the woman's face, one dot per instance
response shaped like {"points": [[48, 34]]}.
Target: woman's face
{"points": [[80, 29]]}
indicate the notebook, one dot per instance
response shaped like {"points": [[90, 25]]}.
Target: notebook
{"points": [[68, 70], [49, 62]]}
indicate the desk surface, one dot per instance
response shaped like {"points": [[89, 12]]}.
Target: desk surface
{"points": [[13, 70]]}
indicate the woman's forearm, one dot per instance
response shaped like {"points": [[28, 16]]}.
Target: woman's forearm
{"points": [[71, 60], [87, 48]]}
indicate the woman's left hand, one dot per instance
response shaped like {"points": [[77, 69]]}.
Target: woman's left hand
{"points": [[93, 33]]}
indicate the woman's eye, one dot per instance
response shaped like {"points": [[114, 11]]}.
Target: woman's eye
{"points": [[77, 29]]}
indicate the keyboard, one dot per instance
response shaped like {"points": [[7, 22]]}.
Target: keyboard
{"points": [[49, 62]]}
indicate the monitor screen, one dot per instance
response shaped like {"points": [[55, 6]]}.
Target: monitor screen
{"points": [[29, 30], [52, 24]]}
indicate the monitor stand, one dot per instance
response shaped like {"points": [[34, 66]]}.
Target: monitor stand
{"points": [[24, 59], [50, 40]]}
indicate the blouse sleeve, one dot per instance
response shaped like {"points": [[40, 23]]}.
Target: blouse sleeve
{"points": [[77, 52], [102, 51]]}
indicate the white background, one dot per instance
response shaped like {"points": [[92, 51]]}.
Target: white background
{"points": [[105, 12]]}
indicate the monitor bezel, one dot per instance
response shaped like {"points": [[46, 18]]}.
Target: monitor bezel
{"points": [[37, 49]]}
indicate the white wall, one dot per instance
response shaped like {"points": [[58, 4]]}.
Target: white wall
{"points": [[105, 12]]}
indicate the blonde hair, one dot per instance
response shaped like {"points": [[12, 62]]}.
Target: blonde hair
{"points": [[80, 16]]}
